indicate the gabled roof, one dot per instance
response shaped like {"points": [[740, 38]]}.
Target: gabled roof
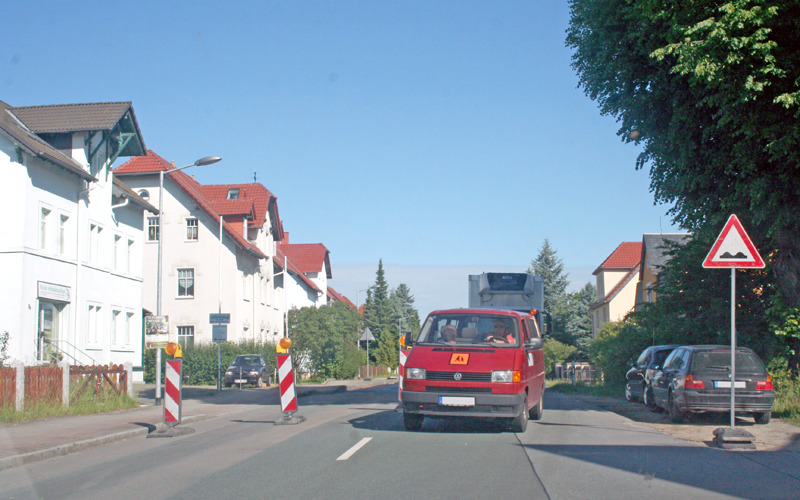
{"points": [[281, 258], [654, 246], [154, 163], [333, 294], [93, 116], [309, 257], [264, 202], [626, 256], [31, 144]]}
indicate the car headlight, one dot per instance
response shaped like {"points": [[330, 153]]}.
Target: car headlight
{"points": [[229, 372], [506, 376], [415, 373]]}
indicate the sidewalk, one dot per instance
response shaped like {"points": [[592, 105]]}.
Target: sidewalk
{"points": [[26, 442]]}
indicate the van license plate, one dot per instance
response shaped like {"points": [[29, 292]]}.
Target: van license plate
{"points": [[726, 384], [456, 401]]}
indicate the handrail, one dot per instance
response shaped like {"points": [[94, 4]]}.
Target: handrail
{"points": [[75, 348]]}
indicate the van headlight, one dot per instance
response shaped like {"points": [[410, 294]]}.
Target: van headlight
{"points": [[415, 373], [506, 376]]}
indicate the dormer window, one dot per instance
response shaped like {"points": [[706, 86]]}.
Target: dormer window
{"points": [[233, 194], [145, 194]]}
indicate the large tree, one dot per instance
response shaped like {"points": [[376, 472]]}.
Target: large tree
{"points": [[710, 91], [549, 266], [324, 339]]}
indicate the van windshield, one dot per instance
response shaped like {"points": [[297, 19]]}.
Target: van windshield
{"points": [[470, 329]]}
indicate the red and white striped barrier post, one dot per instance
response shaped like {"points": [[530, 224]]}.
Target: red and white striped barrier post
{"points": [[286, 383], [172, 392], [401, 370], [286, 378]]}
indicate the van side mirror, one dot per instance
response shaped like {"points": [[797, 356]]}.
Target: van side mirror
{"points": [[534, 344], [407, 341]]}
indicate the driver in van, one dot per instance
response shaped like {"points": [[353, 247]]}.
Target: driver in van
{"points": [[500, 334], [449, 334]]}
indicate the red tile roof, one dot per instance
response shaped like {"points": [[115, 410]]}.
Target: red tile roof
{"points": [[280, 259], [308, 257], [154, 163], [627, 255], [339, 297]]}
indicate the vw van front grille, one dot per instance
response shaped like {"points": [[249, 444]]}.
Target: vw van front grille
{"points": [[464, 376]]}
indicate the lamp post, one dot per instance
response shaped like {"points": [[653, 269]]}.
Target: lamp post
{"points": [[206, 160]]}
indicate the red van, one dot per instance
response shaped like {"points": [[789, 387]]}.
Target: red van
{"points": [[482, 362]]}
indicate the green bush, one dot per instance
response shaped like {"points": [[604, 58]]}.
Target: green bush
{"points": [[200, 361], [556, 352], [618, 343]]}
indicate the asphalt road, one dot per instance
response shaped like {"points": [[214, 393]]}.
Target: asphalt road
{"points": [[353, 445]]}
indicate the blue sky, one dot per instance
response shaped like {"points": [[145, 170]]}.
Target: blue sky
{"points": [[445, 138]]}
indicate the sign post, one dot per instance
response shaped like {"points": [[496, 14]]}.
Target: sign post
{"points": [[733, 248], [219, 334], [367, 336]]}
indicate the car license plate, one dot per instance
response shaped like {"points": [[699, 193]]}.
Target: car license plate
{"points": [[240, 381], [456, 401], [726, 384]]}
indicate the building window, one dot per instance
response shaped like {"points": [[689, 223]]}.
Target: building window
{"points": [[95, 235], [145, 194], [191, 229], [44, 219], [117, 251], [93, 324], [116, 316], [185, 282], [127, 329], [129, 257], [186, 336], [152, 229], [63, 220], [233, 194]]}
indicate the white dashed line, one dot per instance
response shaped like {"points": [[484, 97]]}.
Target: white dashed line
{"points": [[352, 451]]}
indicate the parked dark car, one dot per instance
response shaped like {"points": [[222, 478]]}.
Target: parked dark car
{"points": [[698, 379], [247, 369], [637, 384]]}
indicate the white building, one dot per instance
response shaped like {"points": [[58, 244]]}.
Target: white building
{"points": [[201, 272], [309, 268], [72, 241]]}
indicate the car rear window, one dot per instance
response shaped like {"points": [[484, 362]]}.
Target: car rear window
{"points": [[721, 360], [246, 360]]}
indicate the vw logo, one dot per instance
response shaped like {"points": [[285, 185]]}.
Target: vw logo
{"points": [[457, 376]]}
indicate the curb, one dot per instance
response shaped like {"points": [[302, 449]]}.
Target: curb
{"points": [[67, 448]]}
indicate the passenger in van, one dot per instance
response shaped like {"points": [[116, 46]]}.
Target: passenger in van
{"points": [[449, 334], [501, 334]]}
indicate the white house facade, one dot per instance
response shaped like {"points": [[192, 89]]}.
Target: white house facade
{"points": [[218, 244], [73, 236]]}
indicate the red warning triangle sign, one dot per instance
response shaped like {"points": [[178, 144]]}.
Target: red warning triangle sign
{"points": [[733, 248]]}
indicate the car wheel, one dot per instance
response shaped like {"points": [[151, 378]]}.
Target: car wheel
{"points": [[763, 418], [647, 398], [520, 422], [259, 382], [629, 392], [675, 414], [413, 421]]}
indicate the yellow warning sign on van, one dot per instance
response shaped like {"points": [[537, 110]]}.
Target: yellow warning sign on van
{"points": [[459, 358]]}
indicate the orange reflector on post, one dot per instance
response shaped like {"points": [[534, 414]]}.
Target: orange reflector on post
{"points": [[174, 349]]}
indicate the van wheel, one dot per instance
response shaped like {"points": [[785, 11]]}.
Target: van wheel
{"points": [[537, 411], [675, 414], [763, 418], [259, 382], [520, 422], [413, 421]]}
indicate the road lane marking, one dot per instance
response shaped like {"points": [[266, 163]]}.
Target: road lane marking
{"points": [[352, 451]]}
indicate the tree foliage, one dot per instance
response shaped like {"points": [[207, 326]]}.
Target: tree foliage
{"points": [[324, 339], [711, 92]]}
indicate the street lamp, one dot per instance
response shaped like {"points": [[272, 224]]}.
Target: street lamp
{"points": [[206, 160]]}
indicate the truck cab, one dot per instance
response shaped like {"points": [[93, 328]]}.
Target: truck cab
{"points": [[484, 361]]}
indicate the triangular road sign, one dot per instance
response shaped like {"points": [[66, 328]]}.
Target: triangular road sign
{"points": [[733, 248]]}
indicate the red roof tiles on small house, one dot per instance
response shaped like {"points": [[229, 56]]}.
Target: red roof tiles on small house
{"points": [[308, 257], [333, 294], [281, 260], [627, 255]]}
